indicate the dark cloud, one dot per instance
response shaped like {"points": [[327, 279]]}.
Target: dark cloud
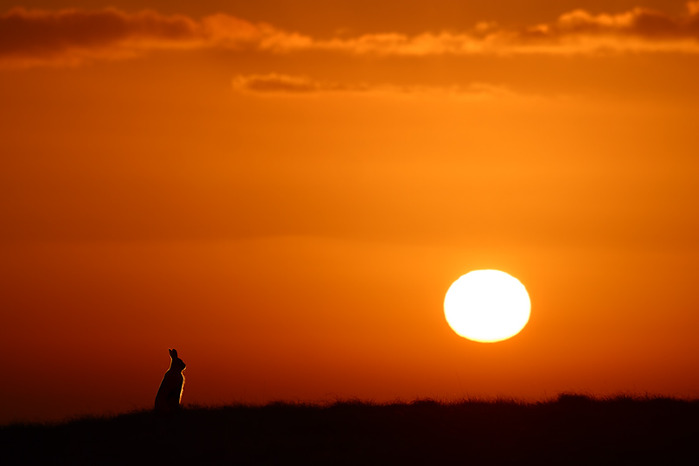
{"points": [[640, 22], [36, 37], [70, 36], [43, 33], [276, 83], [281, 84]]}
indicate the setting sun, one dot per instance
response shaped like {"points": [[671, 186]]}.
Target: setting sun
{"points": [[487, 306]]}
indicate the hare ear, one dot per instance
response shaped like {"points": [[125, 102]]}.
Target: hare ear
{"points": [[173, 353]]}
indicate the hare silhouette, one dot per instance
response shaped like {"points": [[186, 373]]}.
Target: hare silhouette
{"points": [[170, 392]]}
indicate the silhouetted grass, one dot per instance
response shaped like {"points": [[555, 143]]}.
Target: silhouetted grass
{"points": [[574, 429]]}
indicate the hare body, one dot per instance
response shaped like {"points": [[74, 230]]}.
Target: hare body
{"points": [[170, 392]]}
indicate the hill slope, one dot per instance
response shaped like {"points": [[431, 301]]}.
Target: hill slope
{"points": [[571, 430]]}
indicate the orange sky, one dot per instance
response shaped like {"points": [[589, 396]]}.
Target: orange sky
{"points": [[284, 191]]}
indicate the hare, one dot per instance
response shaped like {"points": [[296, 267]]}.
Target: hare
{"points": [[170, 392]]}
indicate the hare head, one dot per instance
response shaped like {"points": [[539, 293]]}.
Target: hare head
{"points": [[176, 362]]}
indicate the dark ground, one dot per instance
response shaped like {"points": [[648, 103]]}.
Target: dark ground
{"points": [[572, 430]]}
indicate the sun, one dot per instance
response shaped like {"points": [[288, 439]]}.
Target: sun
{"points": [[487, 306]]}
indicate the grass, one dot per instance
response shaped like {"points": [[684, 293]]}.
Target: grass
{"points": [[573, 429]]}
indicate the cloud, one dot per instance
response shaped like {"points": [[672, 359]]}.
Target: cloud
{"points": [[579, 31], [275, 84], [639, 29], [639, 22], [73, 36]]}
